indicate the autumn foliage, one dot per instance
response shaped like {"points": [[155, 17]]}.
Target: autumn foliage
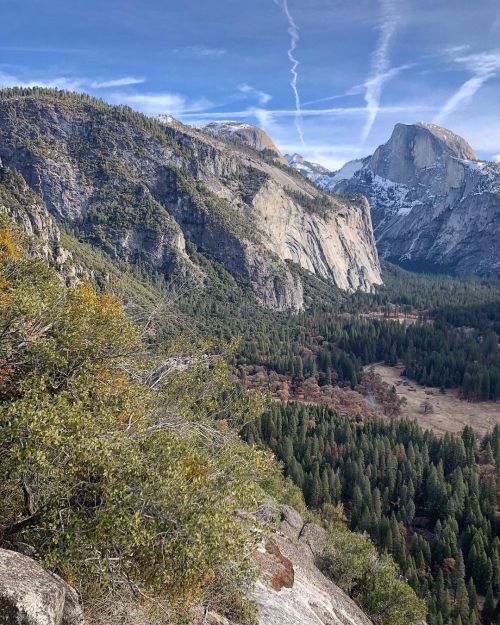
{"points": [[119, 460]]}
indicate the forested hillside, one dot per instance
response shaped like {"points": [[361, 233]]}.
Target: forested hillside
{"points": [[430, 502], [448, 344], [117, 448], [118, 443]]}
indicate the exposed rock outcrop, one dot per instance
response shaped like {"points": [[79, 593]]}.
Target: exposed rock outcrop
{"points": [[292, 589], [139, 190], [433, 203], [22, 206], [29, 595], [313, 171], [253, 136]]}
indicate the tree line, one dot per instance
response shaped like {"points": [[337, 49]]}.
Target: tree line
{"points": [[430, 502]]}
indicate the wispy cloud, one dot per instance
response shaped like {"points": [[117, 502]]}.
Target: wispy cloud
{"points": [[159, 103], [116, 82], [381, 71], [65, 82], [44, 49], [356, 90], [293, 31], [350, 111], [56, 82], [199, 51], [261, 96], [456, 49], [483, 66]]}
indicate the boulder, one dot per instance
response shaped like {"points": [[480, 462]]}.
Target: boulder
{"points": [[30, 595]]}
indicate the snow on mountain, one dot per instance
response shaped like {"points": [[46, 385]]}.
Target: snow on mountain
{"points": [[346, 171], [227, 126], [306, 168], [246, 133], [432, 202], [322, 176]]}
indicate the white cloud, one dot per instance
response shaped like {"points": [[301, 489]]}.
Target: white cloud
{"points": [[456, 49], [199, 51], [158, 103], [149, 103], [64, 82], [266, 120], [483, 66], [496, 158], [381, 71], [58, 82], [261, 96], [352, 111], [116, 82]]}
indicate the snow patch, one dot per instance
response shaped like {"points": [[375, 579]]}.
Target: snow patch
{"points": [[227, 126], [166, 119], [347, 171]]}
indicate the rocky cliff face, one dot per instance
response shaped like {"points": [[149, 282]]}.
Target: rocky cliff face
{"points": [[291, 589], [432, 202], [139, 190], [250, 135], [23, 207]]}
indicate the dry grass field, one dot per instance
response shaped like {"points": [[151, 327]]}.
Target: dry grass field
{"points": [[448, 412]]}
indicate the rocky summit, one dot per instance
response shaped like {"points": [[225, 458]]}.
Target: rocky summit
{"points": [[246, 133], [433, 203], [141, 189]]}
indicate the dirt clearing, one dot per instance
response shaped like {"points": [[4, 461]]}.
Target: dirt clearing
{"points": [[445, 413]]}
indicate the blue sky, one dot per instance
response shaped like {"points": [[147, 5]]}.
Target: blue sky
{"points": [[326, 78]]}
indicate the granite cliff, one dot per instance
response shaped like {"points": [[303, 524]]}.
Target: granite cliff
{"points": [[139, 190], [433, 203]]}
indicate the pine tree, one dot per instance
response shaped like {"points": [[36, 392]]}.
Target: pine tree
{"points": [[488, 611], [443, 598], [458, 574]]}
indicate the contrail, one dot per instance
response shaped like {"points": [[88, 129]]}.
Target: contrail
{"points": [[293, 31], [381, 71], [464, 94], [484, 66]]}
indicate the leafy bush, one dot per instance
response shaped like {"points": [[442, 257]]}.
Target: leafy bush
{"points": [[372, 580], [120, 463]]}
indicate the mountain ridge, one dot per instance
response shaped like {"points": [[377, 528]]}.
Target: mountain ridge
{"points": [[433, 203], [140, 190]]}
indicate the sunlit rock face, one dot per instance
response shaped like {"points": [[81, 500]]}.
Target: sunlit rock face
{"points": [[141, 189], [433, 204], [292, 589]]}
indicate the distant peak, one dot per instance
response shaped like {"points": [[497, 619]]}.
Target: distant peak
{"points": [[447, 140], [229, 124], [294, 158], [253, 136]]}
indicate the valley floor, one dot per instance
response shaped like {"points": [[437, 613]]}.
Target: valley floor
{"points": [[449, 413]]}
